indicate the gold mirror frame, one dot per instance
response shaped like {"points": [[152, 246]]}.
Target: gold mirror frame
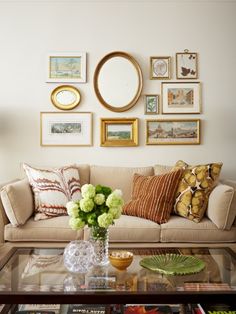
{"points": [[68, 106], [140, 81]]}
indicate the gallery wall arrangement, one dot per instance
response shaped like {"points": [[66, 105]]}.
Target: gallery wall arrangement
{"points": [[118, 84]]}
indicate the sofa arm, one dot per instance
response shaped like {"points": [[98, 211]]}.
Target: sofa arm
{"points": [[3, 217]]}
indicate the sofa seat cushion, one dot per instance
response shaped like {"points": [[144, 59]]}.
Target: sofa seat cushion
{"points": [[55, 229], [178, 229], [118, 177], [132, 229]]}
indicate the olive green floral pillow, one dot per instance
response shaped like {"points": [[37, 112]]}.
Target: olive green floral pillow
{"points": [[194, 189]]}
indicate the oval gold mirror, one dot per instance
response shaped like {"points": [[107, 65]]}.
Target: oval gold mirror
{"points": [[118, 81]]}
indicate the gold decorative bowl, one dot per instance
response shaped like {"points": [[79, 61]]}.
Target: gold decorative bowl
{"points": [[121, 259]]}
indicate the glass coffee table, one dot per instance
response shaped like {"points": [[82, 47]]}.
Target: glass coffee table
{"points": [[38, 275]]}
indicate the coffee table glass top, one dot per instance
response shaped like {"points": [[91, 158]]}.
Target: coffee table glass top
{"points": [[41, 271]]}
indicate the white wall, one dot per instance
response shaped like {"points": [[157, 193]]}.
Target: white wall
{"points": [[31, 29]]}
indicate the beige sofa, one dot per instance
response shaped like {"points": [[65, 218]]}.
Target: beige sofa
{"points": [[128, 231]]}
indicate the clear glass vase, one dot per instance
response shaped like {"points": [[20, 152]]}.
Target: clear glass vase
{"points": [[99, 237]]}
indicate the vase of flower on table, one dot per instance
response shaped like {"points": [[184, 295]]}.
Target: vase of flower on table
{"points": [[98, 208]]}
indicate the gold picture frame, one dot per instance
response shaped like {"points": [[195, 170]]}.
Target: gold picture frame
{"points": [[160, 68], [151, 104], [66, 129], [65, 97], [181, 97], [186, 65], [173, 132], [117, 132]]}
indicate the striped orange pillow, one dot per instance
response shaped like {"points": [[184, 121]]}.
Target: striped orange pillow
{"points": [[153, 196]]}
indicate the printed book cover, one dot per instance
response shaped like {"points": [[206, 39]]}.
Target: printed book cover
{"points": [[87, 309], [217, 308], [147, 309]]}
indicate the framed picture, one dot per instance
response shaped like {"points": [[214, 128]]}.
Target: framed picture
{"points": [[174, 132], [66, 67], [186, 65], [119, 132], [181, 97], [66, 129], [160, 68], [151, 104]]}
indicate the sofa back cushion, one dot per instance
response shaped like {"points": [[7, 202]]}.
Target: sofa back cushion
{"points": [[219, 206], [18, 202], [153, 196], [53, 188], [117, 177]]}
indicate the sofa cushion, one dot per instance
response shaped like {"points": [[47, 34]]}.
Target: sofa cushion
{"points": [[55, 229], [194, 189], [117, 177], [219, 206], [161, 169], [132, 229], [18, 201], [53, 188], [180, 230], [153, 196]]}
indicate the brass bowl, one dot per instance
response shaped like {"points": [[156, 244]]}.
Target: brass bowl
{"points": [[121, 259]]}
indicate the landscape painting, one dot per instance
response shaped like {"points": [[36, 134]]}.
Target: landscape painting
{"points": [[119, 131], [63, 128], [173, 132], [66, 67]]}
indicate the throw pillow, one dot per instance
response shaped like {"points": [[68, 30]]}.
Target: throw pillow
{"points": [[194, 189], [219, 208], [52, 189], [153, 196], [18, 209]]}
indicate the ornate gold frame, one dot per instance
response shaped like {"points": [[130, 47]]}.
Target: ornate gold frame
{"points": [[62, 88], [105, 141], [174, 142], [140, 79]]}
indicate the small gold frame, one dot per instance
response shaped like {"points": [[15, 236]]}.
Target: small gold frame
{"points": [[186, 65], [160, 68], [151, 110], [123, 132], [69, 95], [163, 133]]}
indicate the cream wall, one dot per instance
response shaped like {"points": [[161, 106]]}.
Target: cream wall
{"points": [[31, 29]]}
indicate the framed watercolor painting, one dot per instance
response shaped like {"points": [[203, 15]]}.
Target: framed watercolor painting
{"points": [[119, 132], [66, 67], [181, 97], [173, 132], [66, 129], [151, 104], [160, 68], [186, 65]]}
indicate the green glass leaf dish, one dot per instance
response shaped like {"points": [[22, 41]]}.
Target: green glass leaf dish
{"points": [[173, 264]]}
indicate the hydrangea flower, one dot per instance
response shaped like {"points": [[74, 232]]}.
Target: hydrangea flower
{"points": [[99, 199], [105, 220], [86, 204], [76, 223], [115, 212], [115, 199], [88, 191], [72, 209]]}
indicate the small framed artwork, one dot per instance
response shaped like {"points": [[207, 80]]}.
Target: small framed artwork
{"points": [[173, 132], [66, 129], [181, 97], [65, 97], [160, 68], [186, 65], [151, 104], [119, 132], [66, 67]]}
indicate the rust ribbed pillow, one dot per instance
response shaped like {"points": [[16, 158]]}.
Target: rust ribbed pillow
{"points": [[153, 196]]}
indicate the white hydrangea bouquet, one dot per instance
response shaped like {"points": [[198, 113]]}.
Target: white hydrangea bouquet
{"points": [[97, 209]]}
